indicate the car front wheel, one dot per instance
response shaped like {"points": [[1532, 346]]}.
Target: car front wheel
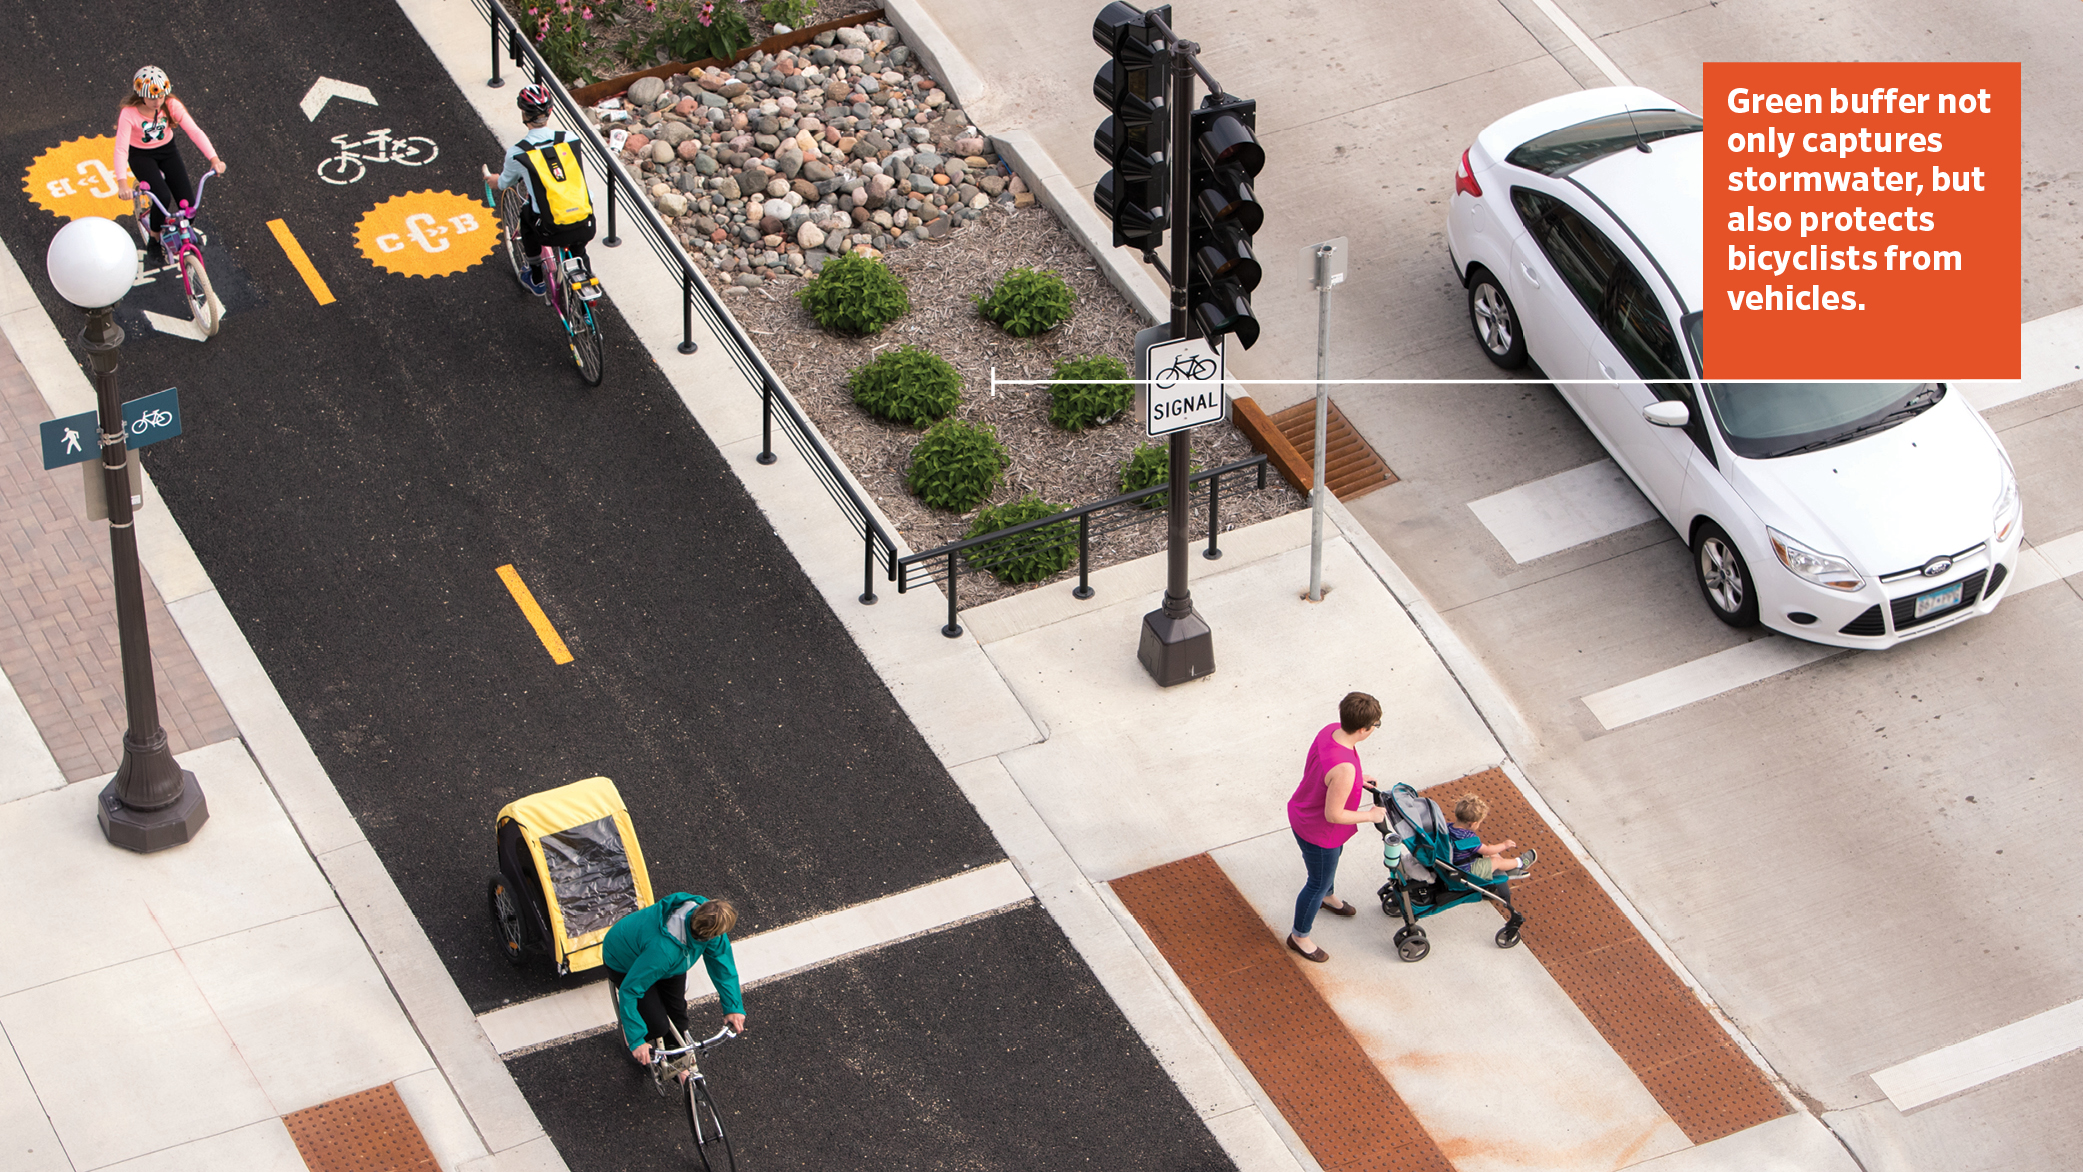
{"points": [[1724, 577], [1496, 322]]}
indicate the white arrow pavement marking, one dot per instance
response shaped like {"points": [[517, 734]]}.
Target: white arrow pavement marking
{"points": [[326, 89], [179, 327]]}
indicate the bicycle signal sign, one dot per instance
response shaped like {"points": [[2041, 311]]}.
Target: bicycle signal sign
{"points": [[1185, 384]]}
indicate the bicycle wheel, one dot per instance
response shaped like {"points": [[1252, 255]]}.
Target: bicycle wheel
{"points": [[506, 916], [342, 170], [413, 151], [707, 1124], [203, 305], [587, 348], [512, 206]]}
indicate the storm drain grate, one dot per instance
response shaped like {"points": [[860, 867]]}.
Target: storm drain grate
{"points": [[1303, 1056], [1351, 467], [369, 1131], [1684, 1058]]}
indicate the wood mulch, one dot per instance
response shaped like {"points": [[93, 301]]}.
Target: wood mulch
{"points": [[945, 277]]}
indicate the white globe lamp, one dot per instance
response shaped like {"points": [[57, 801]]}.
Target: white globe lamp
{"points": [[92, 262]]}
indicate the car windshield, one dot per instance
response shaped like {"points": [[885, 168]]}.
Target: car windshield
{"points": [[1559, 152], [1764, 420]]}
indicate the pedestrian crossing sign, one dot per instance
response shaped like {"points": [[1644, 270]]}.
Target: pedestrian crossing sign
{"points": [[70, 440]]}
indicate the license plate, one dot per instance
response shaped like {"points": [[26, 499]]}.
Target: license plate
{"points": [[1939, 600]]}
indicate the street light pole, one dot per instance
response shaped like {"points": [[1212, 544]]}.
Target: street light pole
{"points": [[151, 803]]}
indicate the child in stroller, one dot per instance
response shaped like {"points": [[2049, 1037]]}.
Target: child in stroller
{"points": [[1419, 849]]}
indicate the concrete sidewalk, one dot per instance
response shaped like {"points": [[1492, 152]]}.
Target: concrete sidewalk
{"points": [[271, 967]]}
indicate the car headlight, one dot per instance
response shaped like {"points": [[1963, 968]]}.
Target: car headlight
{"points": [[1820, 568], [2005, 517]]}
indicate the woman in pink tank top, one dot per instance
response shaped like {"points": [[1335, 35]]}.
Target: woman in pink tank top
{"points": [[1324, 812]]}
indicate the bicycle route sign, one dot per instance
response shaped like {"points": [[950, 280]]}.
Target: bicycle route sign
{"points": [[76, 439], [1185, 383]]}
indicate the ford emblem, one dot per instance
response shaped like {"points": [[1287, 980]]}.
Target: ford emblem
{"points": [[1937, 566]]}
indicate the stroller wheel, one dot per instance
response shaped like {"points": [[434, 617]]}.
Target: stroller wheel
{"points": [[1412, 948], [1507, 937], [1388, 899], [506, 915]]}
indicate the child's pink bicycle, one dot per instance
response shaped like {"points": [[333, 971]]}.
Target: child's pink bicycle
{"points": [[183, 245]]}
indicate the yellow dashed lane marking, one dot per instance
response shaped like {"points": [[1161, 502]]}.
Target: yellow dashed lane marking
{"points": [[303, 263], [537, 619]]}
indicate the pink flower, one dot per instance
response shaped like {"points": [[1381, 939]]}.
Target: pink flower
{"points": [[586, 12]]}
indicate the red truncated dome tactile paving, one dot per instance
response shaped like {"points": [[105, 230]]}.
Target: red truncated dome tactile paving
{"points": [[370, 1131], [1664, 1033], [1302, 1055]]}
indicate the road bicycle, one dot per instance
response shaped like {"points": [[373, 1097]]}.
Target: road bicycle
{"points": [[184, 252], [570, 289], [667, 1065], [350, 164]]}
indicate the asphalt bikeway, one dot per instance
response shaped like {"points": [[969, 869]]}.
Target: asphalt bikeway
{"points": [[365, 445]]}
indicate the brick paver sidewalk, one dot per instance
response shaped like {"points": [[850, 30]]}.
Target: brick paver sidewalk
{"points": [[58, 641]]}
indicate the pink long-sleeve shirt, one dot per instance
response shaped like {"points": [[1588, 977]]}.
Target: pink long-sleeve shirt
{"points": [[132, 128]]}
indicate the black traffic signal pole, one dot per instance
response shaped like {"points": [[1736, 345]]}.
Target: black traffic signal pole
{"points": [[1177, 644]]}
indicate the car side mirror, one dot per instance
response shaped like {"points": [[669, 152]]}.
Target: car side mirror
{"points": [[1667, 413]]}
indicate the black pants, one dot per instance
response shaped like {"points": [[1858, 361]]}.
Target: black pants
{"points": [[574, 237], [663, 1000], [161, 167]]}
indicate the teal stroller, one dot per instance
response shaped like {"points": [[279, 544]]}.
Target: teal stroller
{"points": [[1423, 880]]}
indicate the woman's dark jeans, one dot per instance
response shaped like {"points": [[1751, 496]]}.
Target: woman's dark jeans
{"points": [[1322, 862]]}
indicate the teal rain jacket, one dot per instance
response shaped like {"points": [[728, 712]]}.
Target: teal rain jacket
{"points": [[651, 945]]}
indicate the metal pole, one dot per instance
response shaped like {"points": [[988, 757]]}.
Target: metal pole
{"points": [[953, 628], [496, 80], [152, 802], [687, 345], [868, 565], [612, 240], [1177, 645], [1178, 597], [1214, 497], [1084, 589], [1323, 392], [766, 425]]}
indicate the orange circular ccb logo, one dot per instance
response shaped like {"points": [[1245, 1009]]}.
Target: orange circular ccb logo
{"points": [[427, 233], [73, 179]]}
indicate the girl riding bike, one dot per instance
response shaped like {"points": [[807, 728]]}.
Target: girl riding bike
{"points": [[145, 144]]}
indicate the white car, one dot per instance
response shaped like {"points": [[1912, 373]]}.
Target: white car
{"points": [[1855, 514]]}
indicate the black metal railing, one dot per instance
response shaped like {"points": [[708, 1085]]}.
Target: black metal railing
{"points": [[877, 545], [944, 564]]}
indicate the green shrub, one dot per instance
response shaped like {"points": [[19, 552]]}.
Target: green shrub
{"points": [[1075, 406], [908, 385], [1031, 556], [792, 13], [957, 465], [855, 295], [1027, 302], [697, 30], [1148, 467]]}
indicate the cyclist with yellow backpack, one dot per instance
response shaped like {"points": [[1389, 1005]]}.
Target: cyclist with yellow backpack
{"points": [[560, 209]]}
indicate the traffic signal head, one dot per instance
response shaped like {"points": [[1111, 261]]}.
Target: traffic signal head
{"points": [[1132, 139], [1223, 213]]}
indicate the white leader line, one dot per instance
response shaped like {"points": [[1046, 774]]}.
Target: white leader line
{"points": [[1968, 1064]]}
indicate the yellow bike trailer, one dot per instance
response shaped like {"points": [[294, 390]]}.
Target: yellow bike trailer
{"points": [[569, 867]]}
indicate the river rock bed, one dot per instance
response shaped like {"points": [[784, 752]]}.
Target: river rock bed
{"points": [[842, 144]]}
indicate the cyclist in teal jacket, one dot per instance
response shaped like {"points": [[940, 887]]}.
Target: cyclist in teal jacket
{"points": [[647, 953]]}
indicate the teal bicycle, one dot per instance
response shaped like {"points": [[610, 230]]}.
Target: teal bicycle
{"points": [[569, 288]]}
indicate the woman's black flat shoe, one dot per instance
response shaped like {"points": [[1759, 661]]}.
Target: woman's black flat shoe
{"points": [[1319, 956], [1347, 909]]}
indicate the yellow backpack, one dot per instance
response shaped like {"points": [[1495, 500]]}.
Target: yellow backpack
{"points": [[560, 187]]}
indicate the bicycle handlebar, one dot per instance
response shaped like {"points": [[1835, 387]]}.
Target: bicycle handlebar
{"points": [[721, 1036], [192, 209]]}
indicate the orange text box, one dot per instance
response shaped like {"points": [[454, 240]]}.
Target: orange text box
{"points": [[1862, 220]]}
